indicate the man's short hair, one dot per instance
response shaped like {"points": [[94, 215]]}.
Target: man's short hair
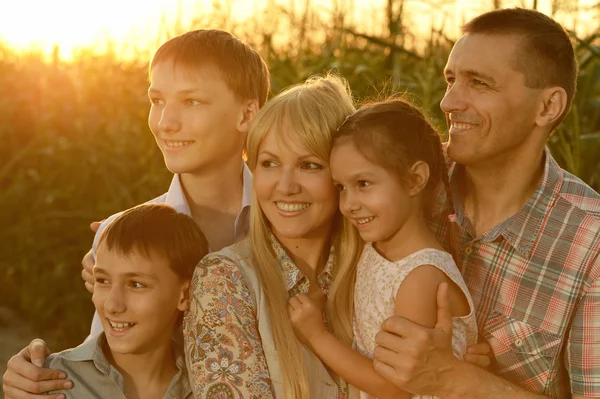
{"points": [[242, 68], [545, 57], [152, 230]]}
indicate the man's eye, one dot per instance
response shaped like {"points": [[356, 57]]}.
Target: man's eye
{"points": [[363, 183], [193, 102], [478, 82], [340, 187], [450, 81], [137, 284]]}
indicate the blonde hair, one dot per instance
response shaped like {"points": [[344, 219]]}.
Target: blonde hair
{"points": [[310, 112]]}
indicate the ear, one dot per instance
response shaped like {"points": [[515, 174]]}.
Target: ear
{"points": [[249, 110], [184, 296], [418, 176], [554, 102]]}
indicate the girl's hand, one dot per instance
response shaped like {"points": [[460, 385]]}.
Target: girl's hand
{"points": [[306, 317]]}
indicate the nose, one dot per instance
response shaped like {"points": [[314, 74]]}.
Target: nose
{"points": [[348, 202], [288, 182], [170, 119], [115, 300], [454, 100]]}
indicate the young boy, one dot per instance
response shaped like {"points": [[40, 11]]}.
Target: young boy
{"points": [[205, 88], [145, 260]]}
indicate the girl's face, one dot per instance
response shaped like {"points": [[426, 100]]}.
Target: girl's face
{"points": [[372, 197], [294, 188]]}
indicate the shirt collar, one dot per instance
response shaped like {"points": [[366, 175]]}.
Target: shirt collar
{"points": [[291, 274], [176, 198], [91, 350], [522, 229]]}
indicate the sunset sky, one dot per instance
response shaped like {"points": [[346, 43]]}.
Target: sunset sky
{"points": [[135, 24]]}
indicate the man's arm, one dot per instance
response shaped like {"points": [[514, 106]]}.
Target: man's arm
{"points": [[25, 377], [420, 360]]}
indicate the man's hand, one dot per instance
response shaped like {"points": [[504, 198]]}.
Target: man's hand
{"points": [[306, 315], [479, 354], [87, 273], [25, 377], [415, 358]]}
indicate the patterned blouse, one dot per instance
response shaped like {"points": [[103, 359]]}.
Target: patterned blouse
{"points": [[226, 358]]}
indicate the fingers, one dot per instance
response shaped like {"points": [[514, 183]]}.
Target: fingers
{"points": [[38, 351], [87, 273], [294, 303], [398, 325], [94, 226], [444, 314], [17, 386], [478, 360], [386, 371], [481, 348]]}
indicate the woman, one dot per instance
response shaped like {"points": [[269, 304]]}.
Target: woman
{"points": [[238, 337]]}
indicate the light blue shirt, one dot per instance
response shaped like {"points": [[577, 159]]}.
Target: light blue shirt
{"points": [[175, 197]]}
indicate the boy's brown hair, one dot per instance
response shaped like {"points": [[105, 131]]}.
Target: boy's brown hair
{"points": [[157, 230], [242, 68]]}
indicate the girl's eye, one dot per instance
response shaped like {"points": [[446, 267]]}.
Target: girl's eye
{"points": [[363, 183], [156, 101], [340, 187], [311, 165], [268, 164], [101, 281], [193, 102]]}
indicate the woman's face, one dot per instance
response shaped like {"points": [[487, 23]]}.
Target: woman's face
{"points": [[294, 188]]}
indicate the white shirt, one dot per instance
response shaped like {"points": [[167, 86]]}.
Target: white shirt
{"points": [[176, 198]]}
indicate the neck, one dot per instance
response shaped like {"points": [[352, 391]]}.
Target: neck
{"points": [[145, 370], [496, 191], [206, 193], [412, 236], [309, 254]]}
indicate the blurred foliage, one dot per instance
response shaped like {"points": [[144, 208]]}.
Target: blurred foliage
{"points": [[76, 146]]}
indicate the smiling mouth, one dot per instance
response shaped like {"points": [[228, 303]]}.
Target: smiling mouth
{"points": [[296, 207], [363, 221], [120, 327], [177, 144], [459, 127]]}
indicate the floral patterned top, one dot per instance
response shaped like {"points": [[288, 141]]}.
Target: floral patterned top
{"points": [[377, 282], [221, 334]]}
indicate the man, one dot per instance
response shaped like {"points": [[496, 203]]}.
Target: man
{"points": [[528, 232]]}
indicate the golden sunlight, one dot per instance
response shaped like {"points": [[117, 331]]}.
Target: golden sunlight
{"points": [[128, 26]]}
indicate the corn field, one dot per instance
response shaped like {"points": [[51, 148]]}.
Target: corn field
{"points": [[75, 145]]}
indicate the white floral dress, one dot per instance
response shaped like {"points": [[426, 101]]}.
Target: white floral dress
{"points": [[377, 282]]}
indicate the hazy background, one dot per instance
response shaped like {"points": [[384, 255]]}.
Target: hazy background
{"points": [[74, 141]]}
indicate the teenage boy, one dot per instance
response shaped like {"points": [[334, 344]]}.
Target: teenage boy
{"points": [[205, 88], [527, 231], [145, 260]]}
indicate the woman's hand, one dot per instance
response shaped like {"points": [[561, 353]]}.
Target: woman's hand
{"points": [[306, 315]]}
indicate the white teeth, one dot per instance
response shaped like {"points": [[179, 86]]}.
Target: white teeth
{"points": [[461, 126], [119, 326], [365, 220], [177, 143], [292, 207]]}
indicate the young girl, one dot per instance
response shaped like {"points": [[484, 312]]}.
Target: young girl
{"points": [[388, 163]]}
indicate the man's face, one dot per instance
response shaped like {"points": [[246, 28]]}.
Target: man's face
{"points": [[138, 300], [491, 112], [195, 117]]}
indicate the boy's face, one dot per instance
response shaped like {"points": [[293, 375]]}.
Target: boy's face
{"points": [[197, 120], [138, 300]]}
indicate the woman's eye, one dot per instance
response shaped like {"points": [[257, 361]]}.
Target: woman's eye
{"points": [[363, 183], [193, 102], [311, 165], [268, 164], [156, 101]]}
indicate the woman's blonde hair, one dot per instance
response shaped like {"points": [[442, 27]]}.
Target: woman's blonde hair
{"points": [[309, 112]]}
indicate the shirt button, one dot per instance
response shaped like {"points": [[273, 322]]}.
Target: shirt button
{"points": [[468, 250], [518, 343]]}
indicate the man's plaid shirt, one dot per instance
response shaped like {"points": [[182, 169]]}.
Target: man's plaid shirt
{"points": [[535, 282]]}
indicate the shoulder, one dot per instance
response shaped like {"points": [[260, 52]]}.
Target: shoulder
{"points": [[576, 193]]}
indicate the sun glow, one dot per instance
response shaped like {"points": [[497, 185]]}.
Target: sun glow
{"points": [[128, 27]]}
